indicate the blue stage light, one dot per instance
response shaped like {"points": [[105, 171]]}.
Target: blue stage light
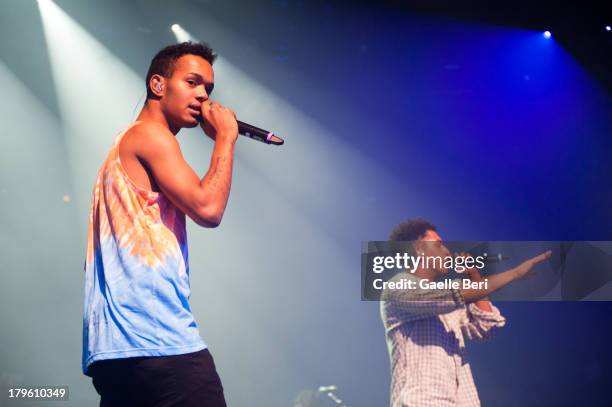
{"points": [[547, 34]]}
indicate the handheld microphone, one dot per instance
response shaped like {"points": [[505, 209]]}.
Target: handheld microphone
{"points": [[255, 133], [258, 134], [494, 258]]}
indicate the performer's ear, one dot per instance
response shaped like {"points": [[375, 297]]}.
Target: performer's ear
{"points": [[157, 85]]}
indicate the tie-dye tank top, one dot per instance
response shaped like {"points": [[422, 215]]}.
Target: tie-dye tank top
{"points": [[136, 272]]}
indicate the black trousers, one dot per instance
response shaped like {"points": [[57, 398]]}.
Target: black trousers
{"points": [[180, 380]]}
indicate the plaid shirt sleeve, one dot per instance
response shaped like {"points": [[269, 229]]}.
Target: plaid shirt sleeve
{"points": [[481, 325]]}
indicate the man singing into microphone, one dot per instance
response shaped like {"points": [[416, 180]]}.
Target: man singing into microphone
{"points": [[426, 329], [141, 344]]}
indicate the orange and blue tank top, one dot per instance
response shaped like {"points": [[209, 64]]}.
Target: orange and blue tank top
{"points": [[136, 272]]}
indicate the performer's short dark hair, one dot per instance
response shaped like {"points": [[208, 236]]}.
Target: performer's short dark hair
{"points": [[163, 62], [411, 229]]}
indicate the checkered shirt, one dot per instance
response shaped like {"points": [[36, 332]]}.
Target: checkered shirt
{"points": [[425, 332]]}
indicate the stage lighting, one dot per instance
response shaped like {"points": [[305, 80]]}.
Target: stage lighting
{"points": [[608, 28], [547, 34], [180, 33]]}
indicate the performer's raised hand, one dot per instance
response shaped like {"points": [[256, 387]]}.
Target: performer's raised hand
{"points": [[522, 269], [219, 122]]}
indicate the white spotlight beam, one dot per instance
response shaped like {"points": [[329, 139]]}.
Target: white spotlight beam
{"points": [[181, 34], [97, 94]]}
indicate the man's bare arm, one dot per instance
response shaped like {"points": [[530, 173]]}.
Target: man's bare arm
{"points": [[497, 281], [203, 200]]}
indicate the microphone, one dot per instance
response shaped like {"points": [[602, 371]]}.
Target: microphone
{"points": [[258, 134], [494, 258], [488, 257]]}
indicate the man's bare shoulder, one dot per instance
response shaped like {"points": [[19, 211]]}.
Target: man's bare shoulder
{"points": [[150, 139]]}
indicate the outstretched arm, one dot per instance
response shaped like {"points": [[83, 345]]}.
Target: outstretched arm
{"points": [[497, 281]]}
